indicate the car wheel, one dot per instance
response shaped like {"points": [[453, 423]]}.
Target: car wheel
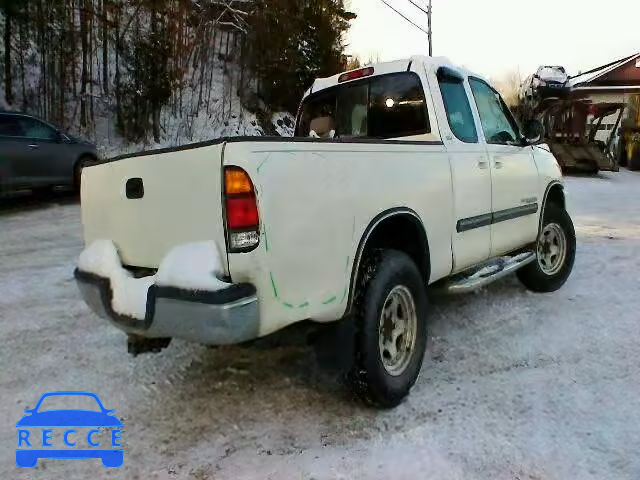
{"points": [[555, 252], [77, 171], [112, 459], [26, 459], [390, 309]]}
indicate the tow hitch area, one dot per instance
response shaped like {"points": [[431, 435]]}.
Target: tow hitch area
{"points": [[137, 344]]}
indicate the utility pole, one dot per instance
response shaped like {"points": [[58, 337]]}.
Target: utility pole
{"points": [[429, 33]]}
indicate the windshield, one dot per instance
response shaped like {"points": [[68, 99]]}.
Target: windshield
{"points": [[386, 106], [67, 402]]}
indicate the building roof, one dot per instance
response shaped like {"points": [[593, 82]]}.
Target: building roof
{"points": [[584, 80]]}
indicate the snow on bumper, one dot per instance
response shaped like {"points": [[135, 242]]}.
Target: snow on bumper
{"points": [[184, 299]]}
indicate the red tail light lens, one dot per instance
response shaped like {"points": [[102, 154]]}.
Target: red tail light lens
{"points": [[242, 212], [243, 219]]}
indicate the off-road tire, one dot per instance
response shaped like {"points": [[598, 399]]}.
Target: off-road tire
{"points": [[533, 276], [381, 272]]}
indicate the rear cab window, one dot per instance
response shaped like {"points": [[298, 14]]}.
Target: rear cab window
{"points": [[381, 107]]}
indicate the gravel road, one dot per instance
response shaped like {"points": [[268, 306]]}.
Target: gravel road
{"points": [[515, 385]]}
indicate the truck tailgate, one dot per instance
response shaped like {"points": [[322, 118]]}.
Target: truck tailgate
{"points": [[181, 202]]}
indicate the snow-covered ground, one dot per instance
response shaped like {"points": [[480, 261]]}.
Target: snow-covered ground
{"points": [[515, 385]]}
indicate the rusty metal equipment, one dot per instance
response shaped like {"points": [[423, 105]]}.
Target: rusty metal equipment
{"points": [[628, 151], [572, 140]]}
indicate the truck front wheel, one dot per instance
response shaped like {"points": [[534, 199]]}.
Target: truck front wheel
{"points": [[390, 311], [555, 252]]}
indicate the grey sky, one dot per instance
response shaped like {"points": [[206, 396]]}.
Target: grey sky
{"points": [[493, 37]]}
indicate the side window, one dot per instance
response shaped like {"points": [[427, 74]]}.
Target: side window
{"points": [[497, 123], [10, 127], [456, 104], [397, 107], [36, 129]]}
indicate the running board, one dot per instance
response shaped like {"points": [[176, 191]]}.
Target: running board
{"points": [[494, 270]]}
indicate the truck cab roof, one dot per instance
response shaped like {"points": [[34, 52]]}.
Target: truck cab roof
{"points": [[394, 66]]}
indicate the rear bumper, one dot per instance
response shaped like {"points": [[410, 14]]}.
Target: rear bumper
{"points": [[219, 317]]}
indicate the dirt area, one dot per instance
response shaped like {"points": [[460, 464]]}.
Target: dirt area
{"points": [[514, 386]]}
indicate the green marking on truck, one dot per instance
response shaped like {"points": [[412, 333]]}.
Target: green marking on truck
{"points": [[273, 284], [330, 300], [266, 239], [344, 294]]}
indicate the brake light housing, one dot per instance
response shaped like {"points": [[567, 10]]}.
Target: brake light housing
{"points": [[241, 211], [355, 74]]}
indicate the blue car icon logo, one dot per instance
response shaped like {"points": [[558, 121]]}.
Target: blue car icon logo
{"points": [[40, 431]]}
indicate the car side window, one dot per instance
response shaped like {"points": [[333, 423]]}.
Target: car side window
{"points": [[36, 129], [457, 106], [10, 127], [497, 123]]}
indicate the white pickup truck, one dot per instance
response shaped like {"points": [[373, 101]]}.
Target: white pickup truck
{"points": [[401, 175]]}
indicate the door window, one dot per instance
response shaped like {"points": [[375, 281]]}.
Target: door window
{"points": [[36, 129], [498, 125], [456, 104], [10, 127]]}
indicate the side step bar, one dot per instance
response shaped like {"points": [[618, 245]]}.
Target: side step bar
{"points": [[494, 270]]}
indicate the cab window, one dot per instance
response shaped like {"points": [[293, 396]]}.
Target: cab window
{"points": [[386, 106], [498, 125]]}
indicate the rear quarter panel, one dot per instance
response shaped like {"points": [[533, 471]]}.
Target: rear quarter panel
{"points": [[316, 200]]}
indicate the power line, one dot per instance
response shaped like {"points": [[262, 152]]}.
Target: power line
{"points": [[406, 18], [419, 7]]}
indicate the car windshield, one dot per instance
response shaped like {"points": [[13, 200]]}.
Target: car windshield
{"points": [[69, 402]]}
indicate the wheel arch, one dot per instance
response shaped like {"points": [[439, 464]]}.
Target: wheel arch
{"points": [[90, 156], [406, 225], [554, 193]]}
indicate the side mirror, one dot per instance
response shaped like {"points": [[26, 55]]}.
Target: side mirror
{"points": [[533, 131]]}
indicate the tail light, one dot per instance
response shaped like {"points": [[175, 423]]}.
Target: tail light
{"points": [[241, 208]]}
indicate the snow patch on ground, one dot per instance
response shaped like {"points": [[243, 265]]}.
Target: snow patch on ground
{"points": [[192, 266]]}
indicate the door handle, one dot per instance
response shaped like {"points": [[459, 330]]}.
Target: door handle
{"points": [[33, 146], [483, 164], [497, 164]]}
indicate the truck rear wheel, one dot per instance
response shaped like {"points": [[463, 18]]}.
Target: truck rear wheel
{"points": [[555, 252], [390, 311]]}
